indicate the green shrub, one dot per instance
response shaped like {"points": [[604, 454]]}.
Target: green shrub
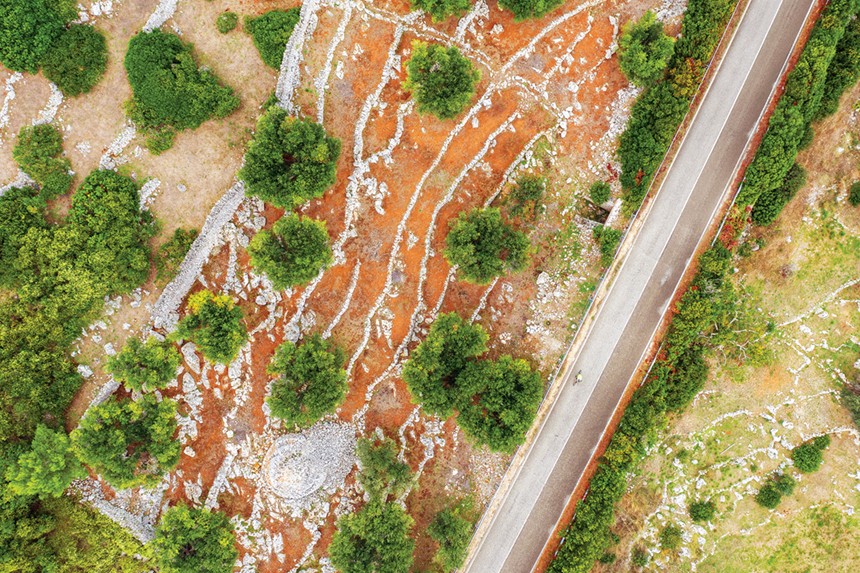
{"points": [[311, 380], [670, 537], [293, 253], [854, 194], [807, 457], [47, 469], [607, 558], [768, 496], [784, 484], [844, 70], [226, 22], [194, 540], [608, 240], [76, 60], [770, 203], [484, 247], [21, 208], [375, 538], [289, 161], [639, 557], [433, 367], [525, 197], [600, 192], [525, 9], [442, 9], [145, 365], [644, 50], [215, 325], [702, 510], [169, 91], [382, 474], [129, 442], [271, 32], [441, 79], [171, 254], [38, 152], [28, 28], [452, 531]]}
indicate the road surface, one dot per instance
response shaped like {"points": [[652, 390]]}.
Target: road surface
{"points": [[695, 186]]}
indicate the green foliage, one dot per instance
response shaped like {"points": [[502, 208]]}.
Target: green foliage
{"points": [[525, 197], [452, 530], [525, 9], [854, 194], [798, 105], [600, 192], [76, 60], [442, 9], [661, 108], [702, 510], [227, 22], [644, 50], [844, 70], [770, 203], [382, 474], [374, 539], [608, 240], [38, 153], [484, 247], [508, 395], [290, 160], [145, 365], [20, 209], [271, 32], [441, 79], [47, 469], [194, 540], [670, 537], [129, 442], [293, 252], [311, 382], [772, 492], [28, 28], [639, 557], [807, 457], [169, 91], [433, 367], [850, 398], [171, 253], [215, 325]]}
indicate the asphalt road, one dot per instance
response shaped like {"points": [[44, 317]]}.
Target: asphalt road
{"points": [[696, 184]]}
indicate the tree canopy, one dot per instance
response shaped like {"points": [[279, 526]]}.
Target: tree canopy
{"points": [[77, 60], [807, 457], [644, 50], [293, 252], [290, 160], [20, 209], [28, 28], [525, 9], [484, 247], [170, 92], [442, 9], [271, 32], [194, 540], [508, 394], [451, 530], [311, 380], [441, 79], [214, 324], [47, 469], [38, 153], [382, 473], [373, 539], [129, 442], [432, 369], [145, 365], [524, 198]]}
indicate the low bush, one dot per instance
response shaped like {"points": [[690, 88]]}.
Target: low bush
{"points": [[599, 192], [227, 22], [526, 9], [442, 9], [702, 510], [524, 198], [171, 254], [271, 32], [775, 488], [640, 557], [293, 253], [194, 540], [854, 194], [382, 473], [484, 247], [770, 203], [644, 50], [452, 531], [608, 240], [76, 60], [290, 160], [28, 28], [375, 538], [670, 537], [807, 457], [311, 380], [144, 365], [441, 79], [169, 91], [129, 442], [215, 325], [38, 153]]}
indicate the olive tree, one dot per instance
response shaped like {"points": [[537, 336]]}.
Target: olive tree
{"points": [[194, 540], [644, 50], [484, 247], [442, 9], [441, 79], [214, 324], [47, 469], [293, 252], [373, 539], [145, 365], [382, 473]]}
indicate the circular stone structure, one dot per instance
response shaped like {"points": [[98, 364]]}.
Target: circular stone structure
{"points": [[299, 467]]}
